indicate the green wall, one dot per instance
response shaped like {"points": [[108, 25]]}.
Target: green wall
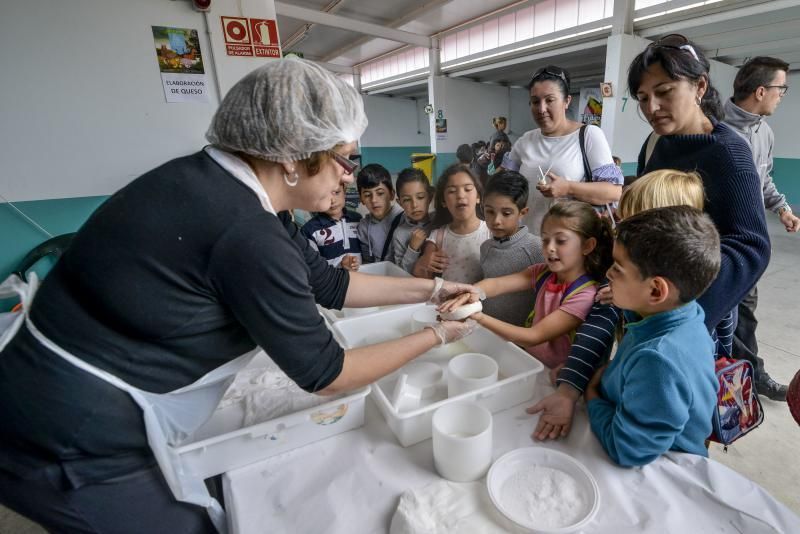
{"points": [[58, 216], [394, 158], [786, 175]]}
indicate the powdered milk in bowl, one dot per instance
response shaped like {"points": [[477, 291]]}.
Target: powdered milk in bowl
{"points": [[543, 490]]}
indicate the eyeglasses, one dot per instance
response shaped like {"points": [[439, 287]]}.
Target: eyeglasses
{"points": [[675, 41], [348, 165], [548, 71], [783, 88]]}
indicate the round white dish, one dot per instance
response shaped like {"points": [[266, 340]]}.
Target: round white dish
{"points": [[462, 312], [516, 461]]}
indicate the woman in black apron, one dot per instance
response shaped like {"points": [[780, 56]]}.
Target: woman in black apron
{"points": [[182, 275]]}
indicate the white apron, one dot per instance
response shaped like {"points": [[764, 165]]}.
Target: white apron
{"points": [[169, 417]]}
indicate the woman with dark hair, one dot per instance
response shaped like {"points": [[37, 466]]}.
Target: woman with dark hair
{"points": [[561, 158], [670, 80]]}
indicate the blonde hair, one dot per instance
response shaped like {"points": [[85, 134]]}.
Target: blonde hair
{"points": [[661, 189], [495, 120]]}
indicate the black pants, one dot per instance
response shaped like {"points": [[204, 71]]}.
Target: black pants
{"points": [[745, 346], [136, 503]]}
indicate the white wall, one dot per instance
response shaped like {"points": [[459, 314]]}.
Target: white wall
{"points": [[395, 122], [82, 106], [520, 119], [784, 121]]}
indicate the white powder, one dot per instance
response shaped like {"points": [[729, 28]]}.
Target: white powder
{"points": [[544, 497], [267, 393]]}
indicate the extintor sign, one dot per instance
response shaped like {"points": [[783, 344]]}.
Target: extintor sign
{"points": [[251, 37], [265, 38]]}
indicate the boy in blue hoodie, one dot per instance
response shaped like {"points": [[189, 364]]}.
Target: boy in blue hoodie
{"points": [[660, 390]]}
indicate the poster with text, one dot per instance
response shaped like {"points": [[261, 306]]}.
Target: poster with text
{"points": [[590, 106], [181, 64]]}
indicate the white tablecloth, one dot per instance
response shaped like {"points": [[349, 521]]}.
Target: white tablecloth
{"points": [[352, 483]]}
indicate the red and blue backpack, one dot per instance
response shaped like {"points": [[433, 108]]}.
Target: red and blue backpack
{"points": [[738, 409]]}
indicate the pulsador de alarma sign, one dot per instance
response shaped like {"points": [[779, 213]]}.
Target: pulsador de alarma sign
{"points": [[250, 37]]}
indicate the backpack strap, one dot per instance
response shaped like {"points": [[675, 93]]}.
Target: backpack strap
{"points": [[390, 235], [651, 146], [576, 286], [587, 169], [538, 283]]}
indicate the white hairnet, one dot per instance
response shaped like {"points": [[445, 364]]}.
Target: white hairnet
{"points": [[287, 110]]}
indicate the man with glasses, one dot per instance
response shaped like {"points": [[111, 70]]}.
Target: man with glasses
{"points": [[757, 90]]}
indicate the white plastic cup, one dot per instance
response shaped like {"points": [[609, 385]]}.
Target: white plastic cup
{"points": [[470, 371], [462, 441], [425, 316]]}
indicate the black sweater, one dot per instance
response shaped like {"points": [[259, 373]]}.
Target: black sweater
{"points": [[174, 275], [733, 201]]}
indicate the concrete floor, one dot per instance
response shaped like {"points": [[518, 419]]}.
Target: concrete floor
{"points": [[768, 455]]}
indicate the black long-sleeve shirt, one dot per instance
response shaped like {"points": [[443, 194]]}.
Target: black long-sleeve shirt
{"points": [[174, 275]]}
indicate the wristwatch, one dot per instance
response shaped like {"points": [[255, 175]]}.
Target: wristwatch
{"points": [[783, 209]]}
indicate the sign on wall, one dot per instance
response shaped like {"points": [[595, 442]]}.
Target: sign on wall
{"points": [[181, 64], [590, 106], [250, 37]]}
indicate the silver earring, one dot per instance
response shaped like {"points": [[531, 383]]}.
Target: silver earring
{"points": [[291, 183], [699, 100]]}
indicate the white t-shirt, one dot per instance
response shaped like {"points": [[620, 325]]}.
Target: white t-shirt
{"points": [[562, 155], [463, 252]]}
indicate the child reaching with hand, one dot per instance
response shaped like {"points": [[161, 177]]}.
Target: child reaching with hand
{"points": [[577, 247], [414, 194], [659, 391], [453, 249], [595, 337]]}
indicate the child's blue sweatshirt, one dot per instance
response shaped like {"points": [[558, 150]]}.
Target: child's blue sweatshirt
{"points": [[660, 391]]}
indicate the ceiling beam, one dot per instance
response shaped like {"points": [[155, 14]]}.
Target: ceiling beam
{"points": [[411, 16], [349, 24], [722, 16], [755, 49]]}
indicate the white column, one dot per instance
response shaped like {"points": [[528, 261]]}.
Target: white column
{"points": [[435, 88]]}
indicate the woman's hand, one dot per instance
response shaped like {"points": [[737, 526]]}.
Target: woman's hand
{"points": [[604, 296], [557, 188], [418, 237], [444, 291], [449, 331]]}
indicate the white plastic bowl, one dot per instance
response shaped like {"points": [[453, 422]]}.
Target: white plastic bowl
{"points": [[518, 460], [357, 312]]}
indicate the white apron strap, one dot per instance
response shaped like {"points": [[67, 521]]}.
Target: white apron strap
{"points": [[11, 322], [169, 418]]}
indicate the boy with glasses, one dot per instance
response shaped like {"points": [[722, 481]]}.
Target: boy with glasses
{"points": [[757, 90]]}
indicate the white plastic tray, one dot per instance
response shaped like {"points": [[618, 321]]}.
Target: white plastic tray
{"points": [[381, 268], [516, 382], [223, 443]]}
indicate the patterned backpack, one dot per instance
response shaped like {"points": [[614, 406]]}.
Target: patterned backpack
{"points": [[738, 409]]}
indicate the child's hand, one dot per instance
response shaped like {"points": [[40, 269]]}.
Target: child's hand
{"points": [[605, 296], [418, 237], [350, 262], [554, 374], [557, 411], [436, 262], [593, 388]]}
